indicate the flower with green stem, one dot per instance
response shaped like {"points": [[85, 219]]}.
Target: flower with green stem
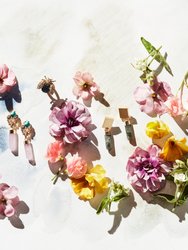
{"points": [[116, 193]]}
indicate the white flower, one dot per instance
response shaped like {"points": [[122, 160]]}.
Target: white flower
{"points": [[141, 65], [180, 177]]}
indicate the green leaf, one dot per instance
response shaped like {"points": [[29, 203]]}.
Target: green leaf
{"points": [[103, 205], [119, 197], [156, 54], [169, 198]]}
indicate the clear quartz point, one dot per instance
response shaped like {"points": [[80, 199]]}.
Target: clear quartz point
{"points": [[13, 142], [29, 152]]}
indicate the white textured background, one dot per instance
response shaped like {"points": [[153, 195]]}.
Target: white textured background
{"points": [[57, 38]]}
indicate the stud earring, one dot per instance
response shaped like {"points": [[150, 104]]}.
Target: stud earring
{"points": [[29, 133], [15, 123]]}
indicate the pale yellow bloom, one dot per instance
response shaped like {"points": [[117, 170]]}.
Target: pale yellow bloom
{"points": [[157, 129], [93, 182], [174, 149]]}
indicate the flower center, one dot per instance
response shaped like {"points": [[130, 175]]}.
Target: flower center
{"points": [[153, 95], [71, 122], [1, 81], [172, 143], [2, 201], [85, 86]]}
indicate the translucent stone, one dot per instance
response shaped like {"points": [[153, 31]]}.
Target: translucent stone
{"points": [[13, 142], [29, 152]]}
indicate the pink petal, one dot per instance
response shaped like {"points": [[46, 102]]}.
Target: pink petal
{"points": [[10, 193], [9, 210], [141, 93], [87, 77]]}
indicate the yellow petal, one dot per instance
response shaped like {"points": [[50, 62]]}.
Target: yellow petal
{"points": [[82, 189], [157, 129]]}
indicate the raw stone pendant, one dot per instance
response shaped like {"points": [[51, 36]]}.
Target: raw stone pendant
{"points": [[29, 152], [13, 142], [108, 142]]}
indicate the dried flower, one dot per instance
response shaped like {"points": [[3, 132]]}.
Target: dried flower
{"points": [[47, 85], [85, 86], [8, 199], [93, 182], [157, 129], [7, 79], [151, 98], [55, 151], [174, 149], [146, 171], [71, 122], [76, 166]]}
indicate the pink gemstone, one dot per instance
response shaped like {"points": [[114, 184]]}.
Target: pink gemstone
{"points": [[29, 153], [13, 142]]}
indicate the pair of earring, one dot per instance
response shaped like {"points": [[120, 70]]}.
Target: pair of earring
{"points": [[27, 130]]}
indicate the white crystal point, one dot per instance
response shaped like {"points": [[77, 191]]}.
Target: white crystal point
{"points": [[29, 152], [13, 142]]}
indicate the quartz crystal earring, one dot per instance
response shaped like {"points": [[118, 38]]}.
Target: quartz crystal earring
{"points": [[29, 133], [124, 115], [15, 123], [107, 125]]}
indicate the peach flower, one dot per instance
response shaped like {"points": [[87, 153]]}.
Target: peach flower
{"points": [[174, 106], [7, 79], [55, 151], [76, 167]]}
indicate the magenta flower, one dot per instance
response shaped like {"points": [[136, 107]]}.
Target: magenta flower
{"points": [[7, 79], [71, 122], [146, 171], [85, 87], [151, 98], [8, 199]]}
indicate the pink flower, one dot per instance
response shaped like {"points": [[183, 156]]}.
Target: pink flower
{"points": [[7, 79], [146, 171], [76, 167], [71, 122], [55, 151], [8, 199], [174, 106], [152, 98], [85, 86]]}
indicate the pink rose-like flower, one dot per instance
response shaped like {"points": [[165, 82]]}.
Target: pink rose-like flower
{"points": [[8, 199], [174, 106], [76, 167], [55, 151], [7, 79], [85, 87], [146, 171], [71, 122], [151, 98]]}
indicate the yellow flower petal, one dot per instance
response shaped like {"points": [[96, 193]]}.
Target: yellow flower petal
{"points": [[157, 129], [174, 149], [82, 189]]}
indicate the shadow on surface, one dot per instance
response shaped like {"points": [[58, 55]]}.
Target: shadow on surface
{"points": [[13, 95]]}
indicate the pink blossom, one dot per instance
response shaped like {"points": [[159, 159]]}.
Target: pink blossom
{"points": [[7, 79], [55, 151], [8, 199], [151, 98], [71, 122], [76, 167], [174, 106], [146, 171], [85, 87]]}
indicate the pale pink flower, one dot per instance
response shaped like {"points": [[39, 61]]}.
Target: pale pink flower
{"points": [[174, 106], [7, 79], [151, 98], [76, 166], [85, 87], [55, 151], [8, 199]]}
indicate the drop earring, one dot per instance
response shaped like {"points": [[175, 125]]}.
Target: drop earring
{"points": [[15, 123], [29, 133]]}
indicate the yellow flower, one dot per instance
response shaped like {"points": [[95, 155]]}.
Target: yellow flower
{"points": [[93, 182], [174, 149], [157, 129]]}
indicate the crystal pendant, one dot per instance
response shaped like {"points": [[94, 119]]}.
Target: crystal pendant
{"points": [[13, 142], [29, 152]]}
